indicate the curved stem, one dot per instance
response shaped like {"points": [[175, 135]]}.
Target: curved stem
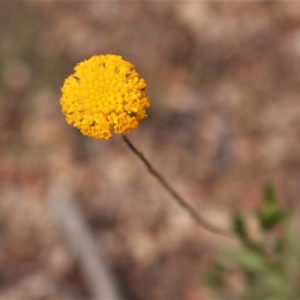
{"points": [[180, 200]]}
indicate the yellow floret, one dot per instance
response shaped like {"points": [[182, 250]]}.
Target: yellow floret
{"points": [[105, 92]]}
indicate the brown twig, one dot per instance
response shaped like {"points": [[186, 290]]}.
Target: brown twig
{"points": [[179, 199], [96, 272]]}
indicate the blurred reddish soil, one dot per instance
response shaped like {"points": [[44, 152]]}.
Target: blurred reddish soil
{"points": [[224, 81]]}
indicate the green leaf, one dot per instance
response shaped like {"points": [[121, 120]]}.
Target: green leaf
{"points": [[249, 260], [240, 227], [214, 276], [270, 214], [270, 198]]}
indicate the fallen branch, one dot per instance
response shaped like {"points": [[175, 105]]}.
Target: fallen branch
{"points": [[68, 216]]}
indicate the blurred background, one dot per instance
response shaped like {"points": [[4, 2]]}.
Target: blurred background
{"points": [[224, 84]]}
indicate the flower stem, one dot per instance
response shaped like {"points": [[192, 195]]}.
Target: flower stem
{"points": [[180, 200]]}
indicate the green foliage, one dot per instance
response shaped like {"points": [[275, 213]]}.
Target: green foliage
{"points": [[270, 213], [266, 265]]}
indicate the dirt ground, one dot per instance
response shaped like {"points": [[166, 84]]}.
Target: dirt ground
{"points": [[224, 84]]}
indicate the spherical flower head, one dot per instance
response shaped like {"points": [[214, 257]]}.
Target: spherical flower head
{"points": [[104, 93]]}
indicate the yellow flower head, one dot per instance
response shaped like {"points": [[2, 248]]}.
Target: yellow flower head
{"points": [[105, 92]]}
